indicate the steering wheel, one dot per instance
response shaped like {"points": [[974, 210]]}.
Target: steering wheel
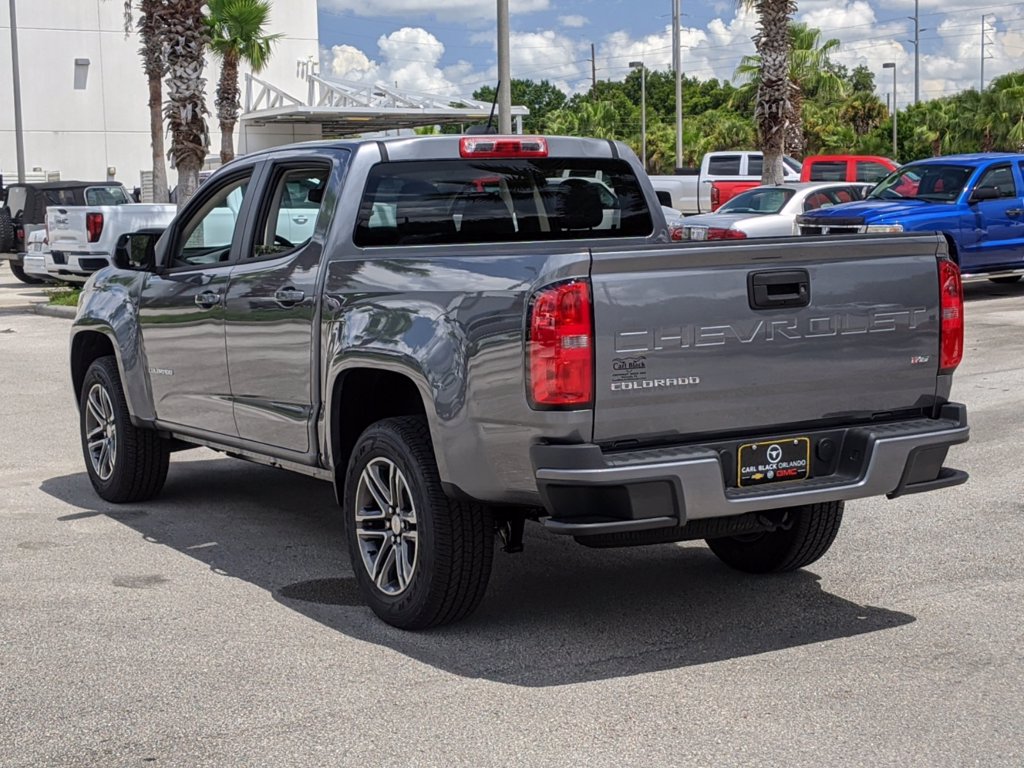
{"points": [[281, 240]]}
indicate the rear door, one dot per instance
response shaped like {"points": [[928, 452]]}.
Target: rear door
{"points": [[750, 338], [272, 306]]}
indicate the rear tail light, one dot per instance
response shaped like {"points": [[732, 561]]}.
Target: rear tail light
{"points": [[20, 234], [951, 317], [94, 226], [561, 347], [717, 233], [716, 197], [503, 146]]}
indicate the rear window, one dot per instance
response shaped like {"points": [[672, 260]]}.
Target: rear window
{"points": [[439, 202], [16, 197], [112, 195], [829, 170]]}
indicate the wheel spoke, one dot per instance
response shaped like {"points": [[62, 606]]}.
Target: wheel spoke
{"points": [[93, 404], [371, 534], [91, 436], [401, 565], [94, 444], [367, 515], [383, 566], [375, 487], [403, 502], [101, 461]]}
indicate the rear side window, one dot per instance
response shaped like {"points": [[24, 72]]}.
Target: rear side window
{"points": [[869, 170], [755, 165], [725, 165], [434, 202], [830, 170]]}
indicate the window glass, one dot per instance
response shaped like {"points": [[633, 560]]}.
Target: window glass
{"points": [[761, 200], [794, 164], [871, 171], [112, 195], [16, 197], [999, 178], [828, 170], [755, 165], [938, 183], [206, 237], [500, 200], [291, 218], [724, 165]]}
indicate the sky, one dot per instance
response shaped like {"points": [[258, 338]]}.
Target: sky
{"points": [[448, 47]]}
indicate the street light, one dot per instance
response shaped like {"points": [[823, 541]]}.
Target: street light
{"points": [[643, 108], [895, 110]]}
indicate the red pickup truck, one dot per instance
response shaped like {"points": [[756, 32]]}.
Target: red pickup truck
{"points": [[869, 168]]}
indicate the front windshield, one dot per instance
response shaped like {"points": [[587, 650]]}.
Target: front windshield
{"points": [[794, 164], [759, 201], [931, 182]]}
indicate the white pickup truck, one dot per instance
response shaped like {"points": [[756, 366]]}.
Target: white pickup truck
{"points": [[721, 176], [82, 238]]}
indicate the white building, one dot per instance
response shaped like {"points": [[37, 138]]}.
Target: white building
{"points": [[84, 95]]}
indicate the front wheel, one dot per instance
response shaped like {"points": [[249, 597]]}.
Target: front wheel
{"points": [[420, 558], [125, 463], [805, 535]]}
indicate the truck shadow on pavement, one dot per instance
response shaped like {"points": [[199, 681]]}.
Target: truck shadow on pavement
{"points": [[557, 614], [984, 290]]}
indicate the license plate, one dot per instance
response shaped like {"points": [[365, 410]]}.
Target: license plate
{"points": [[773, 461], [697, 233]]}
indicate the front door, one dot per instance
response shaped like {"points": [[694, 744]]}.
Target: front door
{"points": [[272, 308], [998, 225], [181, 311]]}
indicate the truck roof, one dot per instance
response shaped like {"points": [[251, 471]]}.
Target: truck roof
{"points": [[975, 158]]}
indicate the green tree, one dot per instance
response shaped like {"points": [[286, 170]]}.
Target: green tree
{"points": [[184, 37], [236, 30], [541, 99], [861, 80]]}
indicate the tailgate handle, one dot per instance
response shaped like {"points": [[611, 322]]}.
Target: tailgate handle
{"points": [[779, 288]]}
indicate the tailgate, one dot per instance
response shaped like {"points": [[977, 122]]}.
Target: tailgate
{"points": [[682, 350], [66, 228]]}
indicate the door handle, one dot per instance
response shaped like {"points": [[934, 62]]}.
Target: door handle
{"points": [[299, 219], [1014, 211], [288, 297], [207, 299]]}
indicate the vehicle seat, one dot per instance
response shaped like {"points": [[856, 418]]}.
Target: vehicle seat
{"points": [[486, 217], [579, 205]]}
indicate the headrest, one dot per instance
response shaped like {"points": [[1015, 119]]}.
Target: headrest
{"points": [[315, 195], [580, 206], [486, 216]]}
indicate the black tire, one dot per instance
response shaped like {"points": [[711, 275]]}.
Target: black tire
{"points": [[811, 532], [140, 456], [19, 272], [6, 231], [454, 540], [1006, 279]]}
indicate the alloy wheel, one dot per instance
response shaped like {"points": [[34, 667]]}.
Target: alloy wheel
{"points": [[386, 526]]}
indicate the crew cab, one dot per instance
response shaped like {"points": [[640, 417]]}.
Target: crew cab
{"points": [[461, 358], [721, 176], [975, 201], [869, 168]]}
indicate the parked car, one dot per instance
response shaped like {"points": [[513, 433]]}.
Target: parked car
{"points": [[35, 257], [975, 201], [721, 176], [82, 238], [769, 211], [24, 211], [459, 362], [869, 168]]}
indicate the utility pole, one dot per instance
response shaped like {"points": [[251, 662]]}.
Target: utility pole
{"points": [[917, 52], [677, 66], [984, 42], [19, 133], [593, 68], [504, 71]]}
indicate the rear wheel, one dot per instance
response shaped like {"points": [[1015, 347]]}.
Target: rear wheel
{"points": [[125, 463], [19, 272], [6, 230], [1006, 279], [420, 558], [806, 534]]}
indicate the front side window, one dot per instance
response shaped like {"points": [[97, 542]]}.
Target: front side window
{"points": [[871, 171], [500, 200], [1000, 179], [931, 182], [206, 236], [828, 170]]}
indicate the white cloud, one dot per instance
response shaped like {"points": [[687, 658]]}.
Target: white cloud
{"points": [[449, 9], [574, 21]]}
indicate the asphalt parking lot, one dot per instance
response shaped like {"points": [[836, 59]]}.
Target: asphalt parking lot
{"points": [[220, 626]]}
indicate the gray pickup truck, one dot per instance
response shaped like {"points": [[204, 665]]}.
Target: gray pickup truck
{"points": [[481, 331]]}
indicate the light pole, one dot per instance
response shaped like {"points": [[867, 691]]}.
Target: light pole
{"points": [[643, 109], [677, 66], [895, 109], [19, 134], [504, 71]]}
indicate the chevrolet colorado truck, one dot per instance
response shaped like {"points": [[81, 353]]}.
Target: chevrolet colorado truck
{"points": [[976, 202], [461, 346]]}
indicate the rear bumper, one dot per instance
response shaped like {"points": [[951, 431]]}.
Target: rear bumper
{"points": [[79, 264], [587, 491]]}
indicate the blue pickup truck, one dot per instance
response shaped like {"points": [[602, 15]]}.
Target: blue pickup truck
{"points": [[975, 201]]}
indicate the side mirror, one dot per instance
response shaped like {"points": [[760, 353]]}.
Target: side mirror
{"points": [[985, 193], [137, 251]]}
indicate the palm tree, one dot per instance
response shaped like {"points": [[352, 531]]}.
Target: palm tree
{"points": [[809, 76], [236, 35], [185, 38], [774, 108], [154, 64]]}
